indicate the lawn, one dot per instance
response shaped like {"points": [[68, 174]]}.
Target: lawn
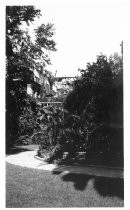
{"points": [[38, 188]]}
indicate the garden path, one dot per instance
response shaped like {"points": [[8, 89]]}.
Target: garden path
{"points": [[25, 158]]}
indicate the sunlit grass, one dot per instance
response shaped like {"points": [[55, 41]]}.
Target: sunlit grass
{"points": [[38, 188]]}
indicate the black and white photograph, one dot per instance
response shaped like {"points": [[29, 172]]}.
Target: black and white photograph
{"points": [[64, 104]]}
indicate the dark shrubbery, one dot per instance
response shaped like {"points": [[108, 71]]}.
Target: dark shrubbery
{"points": [[97, 97], [90, 120], [62, 132], [23, 56], [93, 122], [21, 114]]}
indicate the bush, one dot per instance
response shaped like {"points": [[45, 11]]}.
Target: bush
{"points": [[97, 98], [92, 111], [63, 132]]}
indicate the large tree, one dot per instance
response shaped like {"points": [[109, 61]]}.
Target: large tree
{"points": [[23, 56], [97, 98], [97, 91]]}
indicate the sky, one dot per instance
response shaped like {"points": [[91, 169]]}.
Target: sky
{"points": [[83, 30]]}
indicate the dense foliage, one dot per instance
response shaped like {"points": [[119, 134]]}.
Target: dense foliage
{"points": [[23, 56], [93, 120], [98, 93], [97, 97]]}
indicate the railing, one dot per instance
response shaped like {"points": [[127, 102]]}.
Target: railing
{"points": [[47, 103]]}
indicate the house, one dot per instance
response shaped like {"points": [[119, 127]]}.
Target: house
{"points": [[62, 86], [59, 89], [41, 80]]}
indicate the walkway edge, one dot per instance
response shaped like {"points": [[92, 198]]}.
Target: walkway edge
{"points": [[82, 165]]}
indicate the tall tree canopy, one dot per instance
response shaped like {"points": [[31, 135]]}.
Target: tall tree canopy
{"points": [[98, 93], [23, 56], [97, 98]]}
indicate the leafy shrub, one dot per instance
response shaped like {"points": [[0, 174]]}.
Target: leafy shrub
{"points": [[27, 122], [92, 111], [63, 132], [97, 97]]}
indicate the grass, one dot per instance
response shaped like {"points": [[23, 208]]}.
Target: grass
{"points": [[38, 188]]}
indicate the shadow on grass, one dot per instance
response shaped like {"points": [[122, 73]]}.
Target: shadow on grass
{"points": [[80, 180], [104, 186], [110, 186]]}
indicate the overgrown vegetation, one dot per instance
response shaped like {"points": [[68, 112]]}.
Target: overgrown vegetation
{"points": [[23, 56], [91, 119], [93, 122]]}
